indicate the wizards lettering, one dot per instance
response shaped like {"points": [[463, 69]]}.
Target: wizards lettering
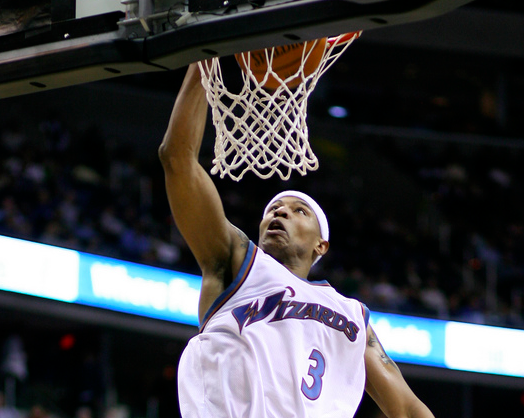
{"points": [[288, 309]]}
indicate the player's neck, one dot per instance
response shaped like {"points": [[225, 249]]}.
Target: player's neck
{"points": [[297, 267]]}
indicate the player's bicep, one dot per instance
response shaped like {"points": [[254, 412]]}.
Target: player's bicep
{"points": [[198, 214], [376, 356], [384, 381]]}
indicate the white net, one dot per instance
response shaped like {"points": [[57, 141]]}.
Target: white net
{"points": [[262, 130]]}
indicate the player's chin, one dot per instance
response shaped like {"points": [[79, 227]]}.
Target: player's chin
{"points": [[272, 243], [275, 235]]}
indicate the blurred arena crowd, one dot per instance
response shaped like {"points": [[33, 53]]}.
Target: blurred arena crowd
{"points": [[459, 258]]}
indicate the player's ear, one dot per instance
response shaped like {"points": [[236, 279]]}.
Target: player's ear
{"points": [[322, 247]]}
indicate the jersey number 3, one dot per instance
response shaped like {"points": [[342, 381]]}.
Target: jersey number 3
{"points": [[316, 371]]}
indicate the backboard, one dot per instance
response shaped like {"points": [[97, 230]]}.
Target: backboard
{"points": [[79, 41]]}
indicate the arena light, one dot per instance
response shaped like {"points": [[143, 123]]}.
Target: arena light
{"points": [[338, 112]]}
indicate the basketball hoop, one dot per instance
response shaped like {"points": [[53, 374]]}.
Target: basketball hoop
{"points": [[263, 130]]}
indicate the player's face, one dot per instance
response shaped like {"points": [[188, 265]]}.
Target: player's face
{"points": [[289, 230]]}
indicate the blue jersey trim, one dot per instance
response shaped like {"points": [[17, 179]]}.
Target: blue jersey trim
{"points": [[233, 286], [365, 312], [316, 282]]}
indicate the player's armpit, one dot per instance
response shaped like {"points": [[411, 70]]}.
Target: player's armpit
{"points": [[386, 385]]}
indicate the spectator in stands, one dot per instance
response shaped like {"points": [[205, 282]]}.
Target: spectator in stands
{"points": [[8, 411], [434, 299], [387, 296]]}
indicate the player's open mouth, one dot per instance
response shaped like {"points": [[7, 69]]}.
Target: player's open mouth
{"points": [[276, 227]]}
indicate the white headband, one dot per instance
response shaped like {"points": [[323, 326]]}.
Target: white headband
{"points": [[321, 216]]}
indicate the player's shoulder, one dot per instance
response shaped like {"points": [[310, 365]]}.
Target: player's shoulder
{"points": [[356, 305], [240, 244]]}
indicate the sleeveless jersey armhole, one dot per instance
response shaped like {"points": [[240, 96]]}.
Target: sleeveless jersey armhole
{"points": [[365, 313], [233, 286]]}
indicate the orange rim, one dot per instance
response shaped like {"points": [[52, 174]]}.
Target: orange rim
{"points": [[343, 39]]}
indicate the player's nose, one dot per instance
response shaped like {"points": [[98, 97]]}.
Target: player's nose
{"points": [[282, 211]]}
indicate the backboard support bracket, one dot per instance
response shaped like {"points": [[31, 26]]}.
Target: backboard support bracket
{"points": [[160, 35]]}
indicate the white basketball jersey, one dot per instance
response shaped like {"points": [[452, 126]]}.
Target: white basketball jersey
{"points": [[273, 346]]}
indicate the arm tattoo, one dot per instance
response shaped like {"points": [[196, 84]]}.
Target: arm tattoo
{"points": [[374, 342], [244, 240]]}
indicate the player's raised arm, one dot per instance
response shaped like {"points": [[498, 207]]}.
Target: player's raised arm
{"points": [[386, 385], [194, 201]]}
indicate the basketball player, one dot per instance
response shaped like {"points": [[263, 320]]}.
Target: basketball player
{"points": [[271, 343]]}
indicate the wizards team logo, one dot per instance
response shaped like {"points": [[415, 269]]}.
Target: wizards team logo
{"points": [[281, 309]]}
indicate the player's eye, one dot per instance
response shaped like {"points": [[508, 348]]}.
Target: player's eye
{"points": [[302, 211]]}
